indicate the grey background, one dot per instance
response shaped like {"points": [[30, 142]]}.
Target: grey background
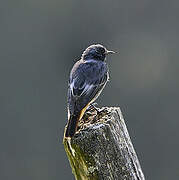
{"points": [[39, 43]]}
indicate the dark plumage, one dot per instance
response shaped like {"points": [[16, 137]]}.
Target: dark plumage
{"points": [[87, 79]]}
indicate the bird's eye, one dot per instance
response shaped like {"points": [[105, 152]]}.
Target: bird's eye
{"points": [[102, 50]]}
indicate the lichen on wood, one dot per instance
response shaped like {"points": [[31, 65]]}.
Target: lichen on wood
{"points": [[102, 149]]}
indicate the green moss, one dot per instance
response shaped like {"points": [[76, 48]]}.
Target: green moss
{"points": [[83, 166]]}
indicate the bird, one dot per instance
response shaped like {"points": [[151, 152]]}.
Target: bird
{"points": [[87, 79]]}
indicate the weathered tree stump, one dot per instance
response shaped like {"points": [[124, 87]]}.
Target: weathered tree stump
{"points": [[102, 149]]}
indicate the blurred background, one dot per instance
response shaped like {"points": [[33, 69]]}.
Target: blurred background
{"points": [[39, 43]]}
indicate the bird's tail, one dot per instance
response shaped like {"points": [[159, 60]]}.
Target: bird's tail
{"points": [[72, 125]]}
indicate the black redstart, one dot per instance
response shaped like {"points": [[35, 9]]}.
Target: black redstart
{"points": [[88, 77]]}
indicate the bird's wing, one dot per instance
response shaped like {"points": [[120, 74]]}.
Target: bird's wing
{"points": [[86, 82]]}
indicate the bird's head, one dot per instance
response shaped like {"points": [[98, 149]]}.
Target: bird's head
{"points": [[96, 52]]}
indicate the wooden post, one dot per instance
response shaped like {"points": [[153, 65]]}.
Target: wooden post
{"points": [[102, 148]]}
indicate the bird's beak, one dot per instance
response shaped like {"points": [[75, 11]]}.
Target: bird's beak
{"points": [[110, 52]]}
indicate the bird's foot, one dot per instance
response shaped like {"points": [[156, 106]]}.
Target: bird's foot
{"points": [[92, 106]]}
